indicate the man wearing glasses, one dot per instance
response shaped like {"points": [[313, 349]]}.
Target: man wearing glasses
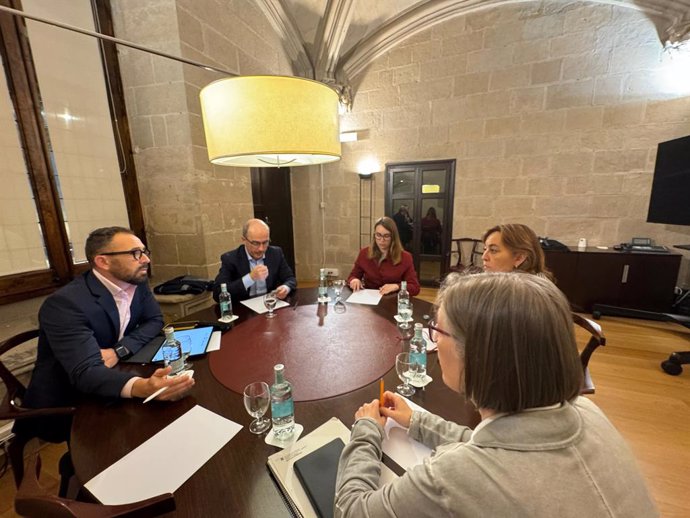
{"points": [[89, 325], [254, 267]]}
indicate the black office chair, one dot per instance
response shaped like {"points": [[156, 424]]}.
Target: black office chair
{"points": [[11, 407], [33, 501], [675, 362]]}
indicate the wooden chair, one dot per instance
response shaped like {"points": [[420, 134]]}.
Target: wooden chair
{"points": [[11, 406], [596, 339], [33, 500], [469, 253]]}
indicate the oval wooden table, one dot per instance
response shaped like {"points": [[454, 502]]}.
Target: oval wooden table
{"points": [[236, 480]]}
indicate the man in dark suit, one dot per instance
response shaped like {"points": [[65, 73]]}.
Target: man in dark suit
{"points": [[87, 326], [254, 267]]}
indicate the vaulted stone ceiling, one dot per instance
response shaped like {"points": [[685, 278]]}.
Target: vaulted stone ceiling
{"points": [[335, 40]]}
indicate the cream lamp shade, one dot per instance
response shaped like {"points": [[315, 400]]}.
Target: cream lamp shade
{"points": [[270, 121]]}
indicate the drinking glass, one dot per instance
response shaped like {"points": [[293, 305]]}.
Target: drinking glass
{"points": [[186, 346], [270, 301], [256, 399], [338, 289], [405, 313], [404, 368]]}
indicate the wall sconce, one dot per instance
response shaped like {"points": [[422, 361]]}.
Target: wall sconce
{"points": [[348, 136], [270, 121]]}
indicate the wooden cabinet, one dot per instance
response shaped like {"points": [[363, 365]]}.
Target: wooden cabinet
{"points": [[632, 280]]}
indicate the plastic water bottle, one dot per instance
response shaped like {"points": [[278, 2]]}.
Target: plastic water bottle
{"points": [[323, 288], [282, 405], [225, 303], [418, 352], [403, 299], [172, 351]]}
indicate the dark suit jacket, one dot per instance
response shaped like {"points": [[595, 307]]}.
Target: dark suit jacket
{"points": [[76, 322], [234, 265]]}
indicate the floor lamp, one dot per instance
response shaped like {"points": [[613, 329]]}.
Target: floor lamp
{"points": [[366, 208]]}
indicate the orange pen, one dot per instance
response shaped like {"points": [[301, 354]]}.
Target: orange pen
{"points": [[381, 392]]}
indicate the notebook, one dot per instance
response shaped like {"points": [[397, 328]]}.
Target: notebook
{"points": [[281, 465], [317, 472]]}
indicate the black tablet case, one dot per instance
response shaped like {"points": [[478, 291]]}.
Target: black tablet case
{"points": [[317, 472]]}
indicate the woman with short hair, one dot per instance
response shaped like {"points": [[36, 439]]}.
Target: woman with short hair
{"points": [[506, 343], [513, 246], [384, 263]]}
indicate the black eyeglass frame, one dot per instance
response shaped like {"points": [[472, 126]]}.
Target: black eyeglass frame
{"points": [[136, 253], [433, 330]]}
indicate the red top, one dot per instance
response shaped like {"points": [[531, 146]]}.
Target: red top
{"points": [[374, 275]]}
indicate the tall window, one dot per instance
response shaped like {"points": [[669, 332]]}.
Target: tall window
{"points": [[60, 173]]}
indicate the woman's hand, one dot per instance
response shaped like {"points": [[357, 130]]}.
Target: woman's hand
{"points": [[355, 285], [395, 407], [371, 410], [388, 288]]}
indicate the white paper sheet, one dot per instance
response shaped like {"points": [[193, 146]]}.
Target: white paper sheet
{"points": [[370, 297], [404, 450], [155, 467], [257, 304], [214, 342]]}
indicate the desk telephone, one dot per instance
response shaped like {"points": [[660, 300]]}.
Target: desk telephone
{"points": [[641, 244]]}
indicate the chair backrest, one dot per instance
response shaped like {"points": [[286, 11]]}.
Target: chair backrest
{"points": [[469, 252], [33, 500], [596, 338], [11, 407]]}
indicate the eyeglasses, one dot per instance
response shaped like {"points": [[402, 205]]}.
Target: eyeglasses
{"points": [[136, 253], [257, 244], [435, 331], [383, 237]]}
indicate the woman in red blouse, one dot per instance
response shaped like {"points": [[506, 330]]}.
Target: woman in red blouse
{"points": [[384, 263]]}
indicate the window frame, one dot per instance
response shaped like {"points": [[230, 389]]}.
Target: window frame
{"points": [[24, 92]]}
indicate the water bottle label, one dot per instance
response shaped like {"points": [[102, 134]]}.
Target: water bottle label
{"points": [[224, 307], [282, 409]]}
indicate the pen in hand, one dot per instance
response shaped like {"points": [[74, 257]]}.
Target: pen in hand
{"points": [[381, 388]]}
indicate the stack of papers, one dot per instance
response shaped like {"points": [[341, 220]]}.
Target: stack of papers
{"points": [[369, 297], [257, 304]]}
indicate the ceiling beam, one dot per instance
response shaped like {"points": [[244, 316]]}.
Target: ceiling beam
{"points": [[330, 37], [284, 24]]}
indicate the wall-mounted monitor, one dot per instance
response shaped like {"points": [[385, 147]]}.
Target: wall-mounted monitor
{"points": [[670, 199]]}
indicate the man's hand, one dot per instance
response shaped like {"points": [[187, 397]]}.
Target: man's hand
{"points": [[259, 273], [282, 292], [388, 288], [178, 386], [355, 285], [371, 410], [109, 357]]}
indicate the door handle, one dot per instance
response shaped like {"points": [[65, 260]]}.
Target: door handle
{"points": [[624, 278]]}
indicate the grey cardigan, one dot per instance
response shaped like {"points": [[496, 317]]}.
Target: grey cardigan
{"points": [[564, 462]]}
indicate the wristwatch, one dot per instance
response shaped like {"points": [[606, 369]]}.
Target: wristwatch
{"points": [[122, 352]]}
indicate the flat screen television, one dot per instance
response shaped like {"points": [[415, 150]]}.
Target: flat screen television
{"points": [[670, 199]]}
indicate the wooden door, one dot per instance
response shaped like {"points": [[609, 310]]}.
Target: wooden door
{"points": [[273, 204], [419, 197]]}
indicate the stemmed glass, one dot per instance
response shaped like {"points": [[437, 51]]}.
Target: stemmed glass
{"points": [[256, 398], [270, 301], [339, 305], [186, 346], [405, 314], [404, 367], [338, 289]]}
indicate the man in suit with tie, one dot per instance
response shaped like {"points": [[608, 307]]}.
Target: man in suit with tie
{"points": [[254, 267], [89, 325]]}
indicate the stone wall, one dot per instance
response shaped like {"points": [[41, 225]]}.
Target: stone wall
{"points": [[193, 210], [553, 115]]}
